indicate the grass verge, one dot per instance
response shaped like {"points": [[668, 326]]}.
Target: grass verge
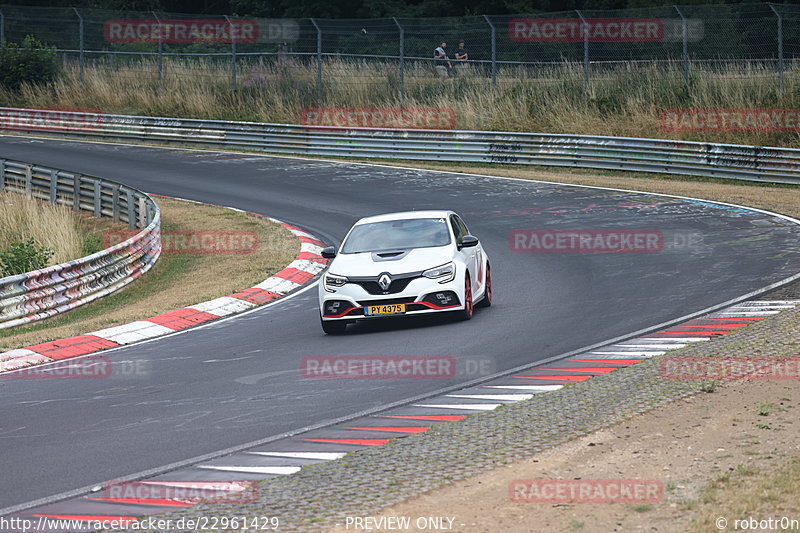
{"points": [[67, 233], [625, 100], [177, 279], [759, 492]]}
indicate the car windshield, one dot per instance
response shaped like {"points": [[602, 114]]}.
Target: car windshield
{"points": [[397, 234]]}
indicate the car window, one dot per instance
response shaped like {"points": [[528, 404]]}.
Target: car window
{"points": [[457, 230], [461, 224], [397, 234]]}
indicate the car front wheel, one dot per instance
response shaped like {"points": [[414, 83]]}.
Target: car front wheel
{"points": [[466, 313], [486, 301]]}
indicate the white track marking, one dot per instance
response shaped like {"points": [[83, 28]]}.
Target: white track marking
{"points": [[223, 306], [21, 358], [132, 332], [310, 248], [656, 346], [631, 353], [324, 456], [772, 302], [279, 285], [532, 388], [501, 397], [750, 308], [231, 486], [279, 470], [743, 314], [465, 406], [677, 339]]}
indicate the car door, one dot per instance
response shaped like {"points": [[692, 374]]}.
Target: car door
{"points": [[468, 255]]}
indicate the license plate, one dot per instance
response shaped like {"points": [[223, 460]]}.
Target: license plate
{"points": [[388, 309]]}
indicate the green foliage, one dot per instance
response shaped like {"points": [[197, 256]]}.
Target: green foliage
{"points": [[766, 409], [32, 62], [24, 256], [92, 244], [709, 386], [349, 9]]}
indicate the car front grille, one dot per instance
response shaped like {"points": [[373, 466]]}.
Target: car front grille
{"points": [[398, 284]]}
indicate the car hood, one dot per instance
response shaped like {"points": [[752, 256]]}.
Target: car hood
{"points": [[375, 263]]}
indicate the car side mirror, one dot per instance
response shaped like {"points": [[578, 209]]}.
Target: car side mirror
{"points": [[329, 252], [468, 241]]}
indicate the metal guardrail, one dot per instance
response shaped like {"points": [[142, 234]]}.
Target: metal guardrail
{"points": [[46, 292], [754, 163]]}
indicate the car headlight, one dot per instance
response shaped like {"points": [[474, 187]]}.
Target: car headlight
{"points": [[332, 280], [443, 273]]}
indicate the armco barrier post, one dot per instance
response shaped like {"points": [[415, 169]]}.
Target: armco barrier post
{"points": [[494, 50], [233, 53], [29, 180], [2, 175], [160, 52], [585, 31], [98, 205], [144, 216], [115, 203], [402, 59], [685, 53], [131, 205], [780, 47], [53, 186], [319, 61], [76, 192], [81, 43]]}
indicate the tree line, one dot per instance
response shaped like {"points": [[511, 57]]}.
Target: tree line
{"points": [[360, 8]]}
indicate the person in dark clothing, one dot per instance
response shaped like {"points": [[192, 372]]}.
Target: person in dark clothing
{"points": [[462, 56]]}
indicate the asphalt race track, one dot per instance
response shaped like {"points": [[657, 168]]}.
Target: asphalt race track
{"points": [[239, 380]]}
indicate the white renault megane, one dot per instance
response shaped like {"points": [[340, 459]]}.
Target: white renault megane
{"points": [[404, 264]]}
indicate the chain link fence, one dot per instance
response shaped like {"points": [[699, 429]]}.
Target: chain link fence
{"points": [[576, 48]]}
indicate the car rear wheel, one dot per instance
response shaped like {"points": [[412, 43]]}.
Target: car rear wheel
{"points": [[331, 327], [486, 301], [466, 313]]}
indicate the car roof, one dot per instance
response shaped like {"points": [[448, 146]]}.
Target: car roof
{"points": [[405, 215]]}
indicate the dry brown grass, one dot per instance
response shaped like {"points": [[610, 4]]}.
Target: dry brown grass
{"points": [[626, 100], [55, 227], [761, 493], [176, 280]]}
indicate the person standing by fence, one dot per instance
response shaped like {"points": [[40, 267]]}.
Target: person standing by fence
{"points": [[442, 62], [462, 56]]}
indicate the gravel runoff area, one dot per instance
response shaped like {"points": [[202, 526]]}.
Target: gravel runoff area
{"points": [[362, 483]]}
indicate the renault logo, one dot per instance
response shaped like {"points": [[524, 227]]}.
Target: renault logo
{"points": [[384, 281]]}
